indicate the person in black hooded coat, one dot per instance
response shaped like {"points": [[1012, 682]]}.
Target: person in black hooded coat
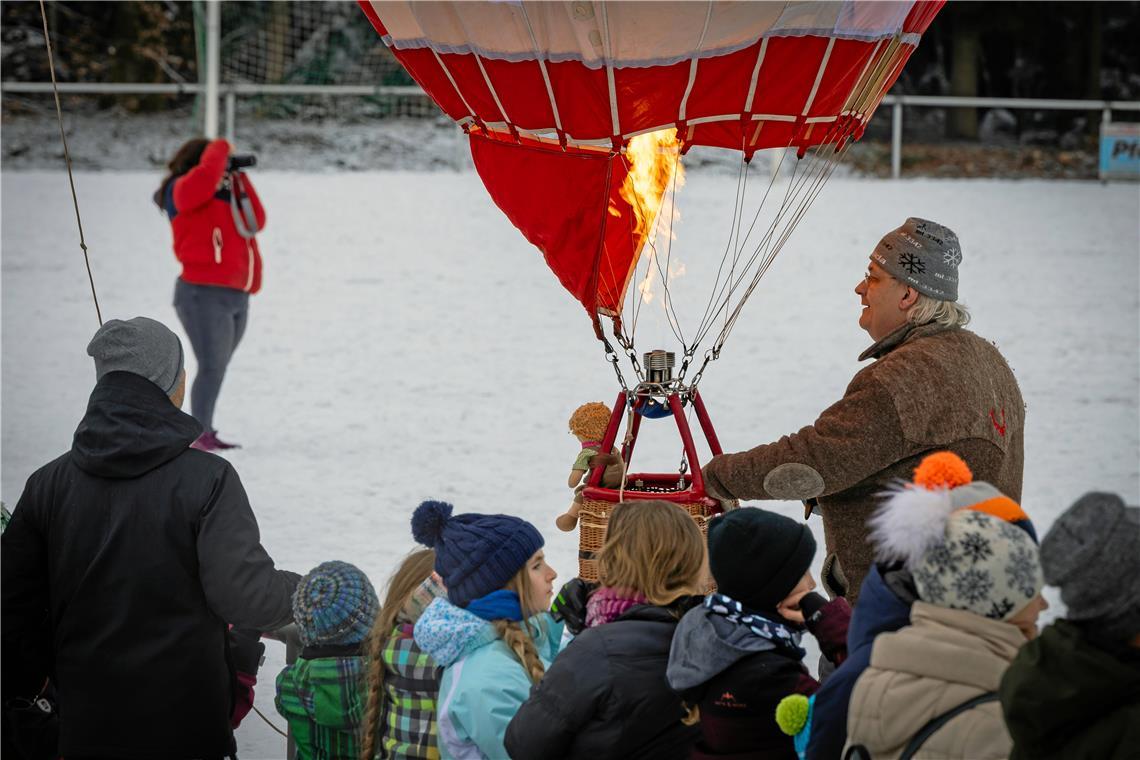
{"points": [[605, 695], [124, 561]]}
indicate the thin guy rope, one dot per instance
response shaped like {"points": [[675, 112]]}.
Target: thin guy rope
{"points": [[67, 158]]}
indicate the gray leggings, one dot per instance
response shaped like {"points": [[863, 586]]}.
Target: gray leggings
{"points": [[214, 319]]}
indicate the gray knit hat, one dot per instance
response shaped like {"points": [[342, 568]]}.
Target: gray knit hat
{"points": [[1092, 552], [142, 346], [923, 254]]}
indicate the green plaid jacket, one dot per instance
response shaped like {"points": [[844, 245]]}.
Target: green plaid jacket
{"points": [[324, 698], [411, 685]]}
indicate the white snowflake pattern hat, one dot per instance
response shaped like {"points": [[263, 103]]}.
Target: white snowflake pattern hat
{"points": [[961, 557]]}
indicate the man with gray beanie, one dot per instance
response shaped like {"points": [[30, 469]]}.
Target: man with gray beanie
{"points": [[933, 386], [124, 562], [1074, 692]]}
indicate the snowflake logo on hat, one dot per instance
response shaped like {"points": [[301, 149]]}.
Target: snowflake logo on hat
{"points": [[998, 610], [952, 257], [912, 263], [976, 548], [942, 557], [973, 585], [1022, 570], [934, 591]]}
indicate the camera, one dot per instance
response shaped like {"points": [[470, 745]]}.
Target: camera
{"points": [[239, 162]]}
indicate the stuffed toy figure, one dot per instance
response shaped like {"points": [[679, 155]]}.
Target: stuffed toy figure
{"points": [[588, 425]]}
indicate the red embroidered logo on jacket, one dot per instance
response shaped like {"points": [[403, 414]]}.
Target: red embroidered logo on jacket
{"points": [[998, 426], [728, 700]]}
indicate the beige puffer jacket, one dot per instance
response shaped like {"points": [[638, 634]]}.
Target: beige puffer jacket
{"points": [[943, 659]]}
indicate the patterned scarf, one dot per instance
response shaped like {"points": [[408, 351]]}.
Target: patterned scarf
{"points": [[779, 633], [425, 594], [607, 604]]}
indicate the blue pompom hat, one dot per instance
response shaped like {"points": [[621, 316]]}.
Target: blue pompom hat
{"points": [[335, 604], [475, 554]]}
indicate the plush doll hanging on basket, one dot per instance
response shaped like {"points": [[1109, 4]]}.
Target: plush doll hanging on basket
{"points": [[588, 424]]}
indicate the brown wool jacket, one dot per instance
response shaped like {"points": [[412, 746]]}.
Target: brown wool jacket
{"points": [[931, 388]]}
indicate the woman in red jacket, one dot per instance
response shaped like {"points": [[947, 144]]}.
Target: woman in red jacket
{"points": [[215, 214]]}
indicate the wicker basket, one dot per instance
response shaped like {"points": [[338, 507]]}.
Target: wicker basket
{"points": [[594, 517]]}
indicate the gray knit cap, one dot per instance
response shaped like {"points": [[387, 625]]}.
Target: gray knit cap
{"points": [[923, 254], [1092, 552], [142, 346]]}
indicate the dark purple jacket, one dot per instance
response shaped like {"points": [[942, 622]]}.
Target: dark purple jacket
{"points": [[738, 678]]}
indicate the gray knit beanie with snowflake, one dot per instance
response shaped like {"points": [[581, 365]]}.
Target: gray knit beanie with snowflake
{"points": [[924, 255]]}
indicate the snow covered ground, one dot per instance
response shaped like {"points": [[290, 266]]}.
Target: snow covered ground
{"points": [[410, 344]]}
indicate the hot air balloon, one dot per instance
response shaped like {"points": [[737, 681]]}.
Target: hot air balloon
{"points": [[596, 101]]}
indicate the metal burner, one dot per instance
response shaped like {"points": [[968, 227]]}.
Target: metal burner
{"points": [[659, 366]]}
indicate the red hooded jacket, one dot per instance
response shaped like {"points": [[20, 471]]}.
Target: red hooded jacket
{"points": [[206, 237]]}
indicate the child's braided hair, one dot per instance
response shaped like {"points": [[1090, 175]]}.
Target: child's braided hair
{"points": [[519, 636], [409, 576]]}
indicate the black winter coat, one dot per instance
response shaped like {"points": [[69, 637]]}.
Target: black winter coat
{"points": [[124, 561], [606, 695]]}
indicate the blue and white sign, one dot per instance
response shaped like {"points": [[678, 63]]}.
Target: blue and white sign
{"points": [[1120, 151]]}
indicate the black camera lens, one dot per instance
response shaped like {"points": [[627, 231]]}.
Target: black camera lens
{"points": [[241, 162]]}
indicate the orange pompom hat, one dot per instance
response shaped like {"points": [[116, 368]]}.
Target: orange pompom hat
{"points": [[942, 469], [947, 471]]}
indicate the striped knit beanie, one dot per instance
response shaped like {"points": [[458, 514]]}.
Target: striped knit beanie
{"points": [[334, 604], [475, 554]]}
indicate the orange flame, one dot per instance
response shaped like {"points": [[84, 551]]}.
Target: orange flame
{"points": [[654, 164]]}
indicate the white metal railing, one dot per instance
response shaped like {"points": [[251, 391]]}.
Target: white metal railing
{"points": [[230, 93], [896, 102]]}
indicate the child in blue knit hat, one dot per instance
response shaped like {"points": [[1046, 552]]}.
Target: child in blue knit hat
{"points": [[323, 694], [491, 634]]}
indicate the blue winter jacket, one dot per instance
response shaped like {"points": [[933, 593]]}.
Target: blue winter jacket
{"points": [[483, 683], [879, 610]]}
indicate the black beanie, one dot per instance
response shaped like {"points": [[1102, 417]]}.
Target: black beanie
{"points": [[757, 557]]}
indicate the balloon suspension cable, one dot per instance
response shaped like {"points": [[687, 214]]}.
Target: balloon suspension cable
{"points": [[747, 262], [731, 244], [67, 159], [803, 189], [808, 188], [636, 294]]}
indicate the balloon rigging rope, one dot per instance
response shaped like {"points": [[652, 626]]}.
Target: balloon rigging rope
{"points": [[67, 159], [827, 168], [635, 293], [802, 190], [737, 209], [793, 205], [720, 299]]}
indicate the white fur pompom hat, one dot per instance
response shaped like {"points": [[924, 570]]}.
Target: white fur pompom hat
{"points": [[967, 546]]}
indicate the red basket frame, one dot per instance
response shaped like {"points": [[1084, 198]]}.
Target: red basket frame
{"points": [[695, 492]]}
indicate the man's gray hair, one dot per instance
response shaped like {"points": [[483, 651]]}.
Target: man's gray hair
{"points": [[945, 313]]}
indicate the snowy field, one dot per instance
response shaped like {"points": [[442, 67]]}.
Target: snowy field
{"points": [[410, 344]]}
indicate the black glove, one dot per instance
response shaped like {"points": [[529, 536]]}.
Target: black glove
{"points": [[246, 650], [569, 605]]}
